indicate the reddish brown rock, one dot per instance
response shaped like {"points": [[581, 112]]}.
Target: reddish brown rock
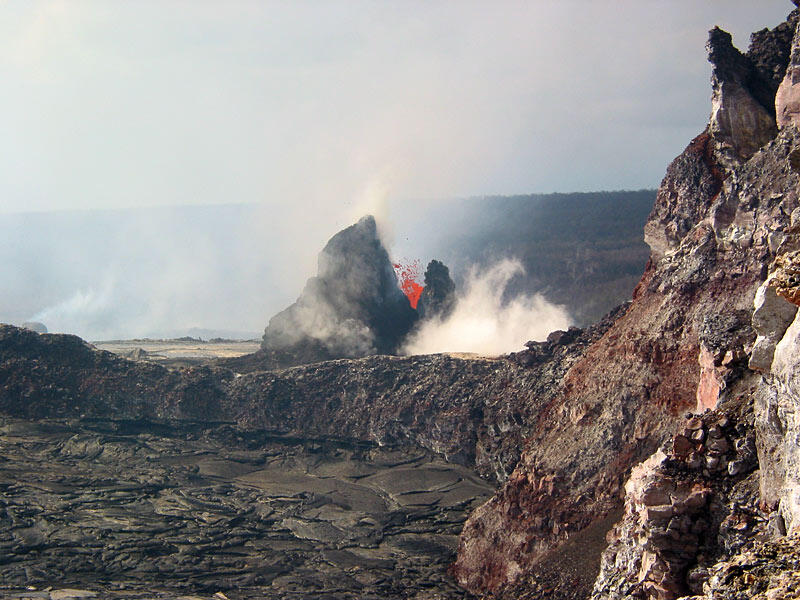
{"points": [[682, 446]]}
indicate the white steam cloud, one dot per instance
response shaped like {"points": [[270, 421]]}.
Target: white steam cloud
{"points": [[484, 323], [80, 309]]}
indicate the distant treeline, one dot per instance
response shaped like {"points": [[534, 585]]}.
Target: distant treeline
{"points": [[583, 250]]}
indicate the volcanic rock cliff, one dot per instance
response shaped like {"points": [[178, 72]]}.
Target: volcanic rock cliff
{"points": [[720, 216]]}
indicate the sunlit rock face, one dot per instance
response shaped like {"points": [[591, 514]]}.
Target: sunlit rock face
{"points": [[777, 356], [771, 316], [787, 100], [742, 100], [353, 307]]}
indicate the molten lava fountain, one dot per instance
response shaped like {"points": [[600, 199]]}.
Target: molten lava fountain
{"points": [[408, 275]]}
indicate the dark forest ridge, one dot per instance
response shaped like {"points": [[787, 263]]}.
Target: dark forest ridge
{"points": [[584, 250]]}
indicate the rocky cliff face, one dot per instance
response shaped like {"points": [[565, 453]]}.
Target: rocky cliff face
{"points": [[778, 395], [683, 345]]}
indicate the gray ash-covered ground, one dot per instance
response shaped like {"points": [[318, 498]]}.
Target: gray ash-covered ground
{"points": [[135, 510]]}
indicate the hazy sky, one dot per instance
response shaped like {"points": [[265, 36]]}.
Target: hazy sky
{"points": [[315, 113], [334, 104]]}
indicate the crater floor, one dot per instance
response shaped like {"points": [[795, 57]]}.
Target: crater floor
{"points": [[134, 510]]}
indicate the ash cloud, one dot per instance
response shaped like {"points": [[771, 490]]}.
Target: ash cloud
{"points": [[483, 321]]}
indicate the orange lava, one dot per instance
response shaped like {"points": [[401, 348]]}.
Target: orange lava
{"points": [[408, 275]]}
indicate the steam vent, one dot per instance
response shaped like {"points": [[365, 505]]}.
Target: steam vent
{"points": [[653, 455], [353, 307]]}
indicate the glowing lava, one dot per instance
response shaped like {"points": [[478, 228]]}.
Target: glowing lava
{"points": [[408, 275]]}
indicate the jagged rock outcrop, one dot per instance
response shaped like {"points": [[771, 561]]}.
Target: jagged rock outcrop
{"points": [[684, 340], [742, 120], [787, 100], [353, 307], [742, 101], [439, 294], [691, 502]]}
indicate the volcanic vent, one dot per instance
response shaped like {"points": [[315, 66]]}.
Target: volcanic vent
{"points": [[353, 307]]}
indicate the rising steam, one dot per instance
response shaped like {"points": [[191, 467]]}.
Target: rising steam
{"points": [[484, 323]]}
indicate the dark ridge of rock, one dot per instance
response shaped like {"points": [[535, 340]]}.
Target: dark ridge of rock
{"points": [[352, 308], [473, 411], [438, 296], [58, 375], [770, 50]]}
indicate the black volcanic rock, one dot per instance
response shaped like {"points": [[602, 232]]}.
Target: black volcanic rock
{"points": [[770, 50], [119, 509], [438, 296], [352, 308]]}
